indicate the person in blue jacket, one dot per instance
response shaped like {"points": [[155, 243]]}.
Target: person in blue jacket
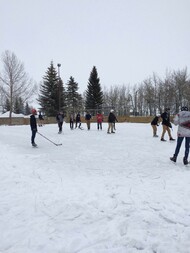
{"points": [[88, 118]]}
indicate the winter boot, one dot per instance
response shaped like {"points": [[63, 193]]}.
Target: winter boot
{"points": [[155, 135], [173, 159], [34, 144], [185, 162], [172, 139], [162, 139]]}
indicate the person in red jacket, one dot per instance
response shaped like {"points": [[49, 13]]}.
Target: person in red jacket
{"points": [[99, 118]]}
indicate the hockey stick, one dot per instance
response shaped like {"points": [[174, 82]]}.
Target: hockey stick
{"points": [[56, 144]]}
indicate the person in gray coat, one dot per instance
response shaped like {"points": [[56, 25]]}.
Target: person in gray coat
{"points": [[182, 119]]}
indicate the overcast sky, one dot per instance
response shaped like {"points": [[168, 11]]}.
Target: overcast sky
{"points": [[127, 40]]}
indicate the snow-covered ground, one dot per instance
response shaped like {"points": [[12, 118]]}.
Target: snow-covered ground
{"points": [[97, 193]]}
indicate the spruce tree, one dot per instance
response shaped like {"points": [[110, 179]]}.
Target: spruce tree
{"points": [[93, 94], [51, 97], [73, 98], [7, 105], [27, 109], [18, 105]]}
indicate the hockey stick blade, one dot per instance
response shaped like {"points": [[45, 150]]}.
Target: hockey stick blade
{"points": [[56, 144]]}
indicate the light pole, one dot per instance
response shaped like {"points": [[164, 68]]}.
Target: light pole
{"points": [[59, 93]]}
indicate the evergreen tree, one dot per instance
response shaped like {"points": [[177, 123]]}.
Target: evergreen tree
{"points": [[18, 105], [7, 105], [94, 94], [73, 98], [21, 105], [51, 97], [27, 109]]}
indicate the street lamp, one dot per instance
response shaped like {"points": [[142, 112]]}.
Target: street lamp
{"points": [[59, 93]]}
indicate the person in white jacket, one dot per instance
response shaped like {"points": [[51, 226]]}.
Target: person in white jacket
{"points": [[182, 119]]}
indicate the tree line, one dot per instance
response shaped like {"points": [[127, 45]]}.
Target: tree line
{"points": [[147, 98]]}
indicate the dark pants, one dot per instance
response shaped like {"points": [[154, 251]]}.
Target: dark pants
{"points": [[33, 136], [60, 124], [78, 122], [179, 142], [99, 125], [71, 124]]}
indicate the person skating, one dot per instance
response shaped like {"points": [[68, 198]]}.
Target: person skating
{"points": [[33, 126], [78, 121], [99, 118], [166, 124], [71, 121], [154, 124], [88, 118], [182, 119], [60, 119], [40, 117], [111, 120]]}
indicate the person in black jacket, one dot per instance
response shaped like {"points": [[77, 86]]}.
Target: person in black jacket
{"points": [[166, 124], [78, 121], [60, 118], [154, 124], [33, 126], [111, 121], [40, 117]]}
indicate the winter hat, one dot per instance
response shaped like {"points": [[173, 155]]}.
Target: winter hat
{"points": [[33, 111], [111, 110], [184, 108]]}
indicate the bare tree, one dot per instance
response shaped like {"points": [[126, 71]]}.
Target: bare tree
{"points": [[180, 81], [14, 81]]}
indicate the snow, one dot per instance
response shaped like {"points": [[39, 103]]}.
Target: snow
{"points": [[97, 193], [14, 115]]}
